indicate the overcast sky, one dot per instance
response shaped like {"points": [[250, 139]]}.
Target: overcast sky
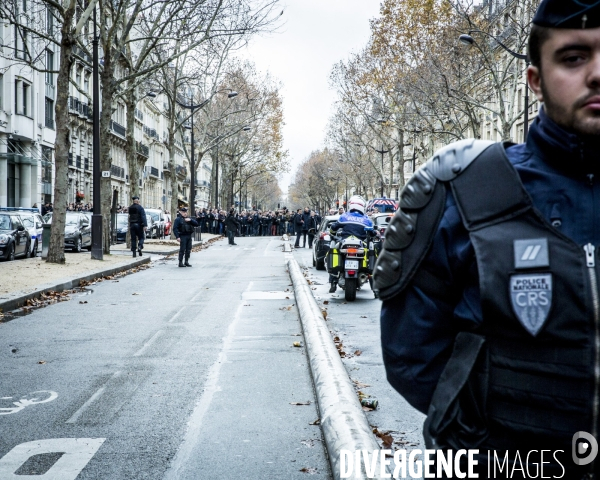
{"points": [[314, 36]]}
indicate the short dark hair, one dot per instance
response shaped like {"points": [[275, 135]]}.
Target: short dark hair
{"points": [[537, 38]]}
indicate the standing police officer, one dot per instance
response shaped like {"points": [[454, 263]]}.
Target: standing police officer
{"points": [[183, 229], [137, 225], [489, 273]]}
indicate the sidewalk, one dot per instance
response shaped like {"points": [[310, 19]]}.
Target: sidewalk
{"points": [[28, 278], [159, 246]]}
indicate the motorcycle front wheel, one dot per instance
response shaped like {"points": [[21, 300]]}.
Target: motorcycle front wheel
{"points": [[350, 289]]}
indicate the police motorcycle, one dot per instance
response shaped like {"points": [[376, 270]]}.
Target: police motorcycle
{"points": [[352, 261]]}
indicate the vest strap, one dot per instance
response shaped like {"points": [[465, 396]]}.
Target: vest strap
{"points": [[489, 190]]}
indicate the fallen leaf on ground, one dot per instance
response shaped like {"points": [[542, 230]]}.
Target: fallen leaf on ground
{"points": [[309, 470], [363, 316], [357, 353], [135, 293], [82, 301], [300, 403], [297, 344], [326, 302], [316, 422], [324, 313], [41, 362]]}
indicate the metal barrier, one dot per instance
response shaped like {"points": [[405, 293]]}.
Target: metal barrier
{"points": [[45, 239], [197, 234]]}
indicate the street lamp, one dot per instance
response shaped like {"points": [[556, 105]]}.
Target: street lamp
{"points": [[193, 108], [469, 40]]}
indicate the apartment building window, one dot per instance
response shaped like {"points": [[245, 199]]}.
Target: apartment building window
{"points": [[49, 67], [49, 117], [49, 21], [46, 164], [22, 98], [86, 83], [78, 78]]}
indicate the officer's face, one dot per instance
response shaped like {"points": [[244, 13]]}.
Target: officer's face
{"points": [[569, 80]]}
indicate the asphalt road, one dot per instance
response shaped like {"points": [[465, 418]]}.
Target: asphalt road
{"points": [[356, 324], [168, 373]]}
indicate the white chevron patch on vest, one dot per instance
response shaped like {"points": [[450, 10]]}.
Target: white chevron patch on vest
{"points": [[531, 298], [531, 253]]}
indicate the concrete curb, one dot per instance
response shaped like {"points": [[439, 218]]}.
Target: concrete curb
{"points": [[344, 424], [20, 298]]}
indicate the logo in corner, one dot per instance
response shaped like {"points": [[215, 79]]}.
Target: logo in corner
{"points": [[585, 448], [531, 298]]}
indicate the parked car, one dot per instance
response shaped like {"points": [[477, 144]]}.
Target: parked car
{"points": [[78, 230], [168, 224], [14, 237], [322, 240], [33, 223], [381, 222], [122, 226], [156, 223]]}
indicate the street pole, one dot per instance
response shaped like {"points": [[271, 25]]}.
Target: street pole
{"points": [[97, 248], [193, 172], [382, 152], [217, 180]]}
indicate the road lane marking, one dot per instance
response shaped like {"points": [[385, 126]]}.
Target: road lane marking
{"points": [[148, 344], [91, 400], [271, 295], [211, 386], [25, 402], [177, 314], [76, 453]]}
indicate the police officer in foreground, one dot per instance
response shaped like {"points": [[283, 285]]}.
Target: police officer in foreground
{"points": [[137, 225], [183, 229], [490, 272]]}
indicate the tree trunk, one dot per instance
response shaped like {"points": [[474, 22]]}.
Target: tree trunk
{"points": [[131, 155], [56, 249], [108, 93]]}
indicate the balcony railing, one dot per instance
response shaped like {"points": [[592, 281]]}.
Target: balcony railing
{"points": [[79, 107], [152, 171], [142, 149], [181, 170], [116, 171], [78, 161], [117, 129], [81, 54], [151, 132]]}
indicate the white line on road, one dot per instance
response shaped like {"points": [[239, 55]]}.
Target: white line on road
{"points": [[177, 314], [91, 400], [148, 343], [203, 404]]}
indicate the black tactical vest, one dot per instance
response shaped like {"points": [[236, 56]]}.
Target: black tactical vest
{"points": [[134, 214], [527, 378]]}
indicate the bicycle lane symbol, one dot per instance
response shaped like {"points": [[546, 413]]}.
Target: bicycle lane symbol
{"points": [[33, 398]]}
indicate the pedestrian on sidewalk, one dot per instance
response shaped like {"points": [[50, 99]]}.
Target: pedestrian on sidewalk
{"points": [[137, 225], [312, 228], [298, 227], [231, 225], [183, 229]]}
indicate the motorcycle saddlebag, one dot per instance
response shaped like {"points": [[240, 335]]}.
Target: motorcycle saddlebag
{"points": [[333, 261]]}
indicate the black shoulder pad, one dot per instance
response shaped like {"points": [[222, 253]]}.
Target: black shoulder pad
{"points": [[411, 231]]}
